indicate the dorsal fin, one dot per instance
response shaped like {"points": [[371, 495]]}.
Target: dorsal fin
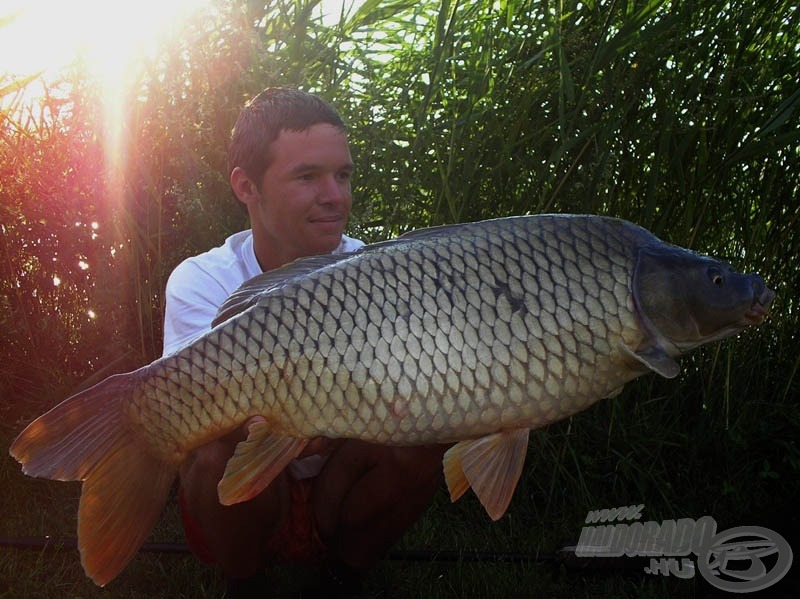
{"points": [[250, 291], [416, 235], [247, 295]]}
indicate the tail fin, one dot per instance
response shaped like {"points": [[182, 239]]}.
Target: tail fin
{"points": [[87, 437]]}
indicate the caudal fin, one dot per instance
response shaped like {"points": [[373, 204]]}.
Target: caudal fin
{"points": [[125, 486]]}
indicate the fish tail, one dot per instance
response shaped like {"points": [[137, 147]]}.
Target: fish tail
{"points": [[88, 437]]}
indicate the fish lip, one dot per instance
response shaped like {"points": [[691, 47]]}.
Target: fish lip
{"points": [[760, 307], [756, 315]]}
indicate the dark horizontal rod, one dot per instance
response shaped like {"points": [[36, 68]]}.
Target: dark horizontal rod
{"points": [[421, 555], [565, 556], [66, 543]]}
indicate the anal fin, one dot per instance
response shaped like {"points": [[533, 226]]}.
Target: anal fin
{"points": [[491, 465], [256, 462]]}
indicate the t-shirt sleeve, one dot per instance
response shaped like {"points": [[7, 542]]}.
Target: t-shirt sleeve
{"points": [[192, 300]]}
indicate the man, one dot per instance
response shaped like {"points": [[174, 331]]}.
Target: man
{"points": [[290, 165]]}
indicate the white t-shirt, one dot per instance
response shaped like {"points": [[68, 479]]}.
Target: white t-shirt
{"points": [[200, 284]]}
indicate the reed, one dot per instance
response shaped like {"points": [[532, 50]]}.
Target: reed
{"points": [[680, 116]]}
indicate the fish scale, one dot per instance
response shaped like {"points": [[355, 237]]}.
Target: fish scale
{"points": [[472, 334], [447, 345]]}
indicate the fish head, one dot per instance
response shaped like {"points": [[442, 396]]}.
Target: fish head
{"points": [[687, 299]]}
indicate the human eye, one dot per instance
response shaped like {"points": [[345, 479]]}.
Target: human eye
{"points": [[305, 176]]}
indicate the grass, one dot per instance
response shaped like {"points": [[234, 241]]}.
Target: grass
{"points": [[53, 573]]}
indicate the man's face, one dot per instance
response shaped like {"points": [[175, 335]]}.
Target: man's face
{"points": [[305, 196]]}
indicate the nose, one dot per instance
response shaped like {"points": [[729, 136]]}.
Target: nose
{"points": [[762, 295], [757, 284], [332, 190]]}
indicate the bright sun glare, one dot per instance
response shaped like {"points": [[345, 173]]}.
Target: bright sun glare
{"points": [[107, 36], [109, 39]]}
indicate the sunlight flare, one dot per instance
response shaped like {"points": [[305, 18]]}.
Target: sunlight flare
{"points": [[106, 37], [108, 41]]}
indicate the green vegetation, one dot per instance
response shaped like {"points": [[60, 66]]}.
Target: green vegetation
{"points": [[679, 116]]}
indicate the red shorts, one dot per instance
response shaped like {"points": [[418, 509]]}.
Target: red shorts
{"points": [[296, 541]]}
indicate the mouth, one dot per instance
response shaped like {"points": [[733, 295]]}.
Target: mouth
{"points": [[329, 219], [760, 307]]}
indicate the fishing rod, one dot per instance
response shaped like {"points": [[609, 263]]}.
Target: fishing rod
{"points": [[563, 556]]}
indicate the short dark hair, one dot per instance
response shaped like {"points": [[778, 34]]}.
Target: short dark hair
{"points": [[264, 117]]}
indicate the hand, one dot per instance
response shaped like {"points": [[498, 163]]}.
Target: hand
{"points": [[321, 446]]}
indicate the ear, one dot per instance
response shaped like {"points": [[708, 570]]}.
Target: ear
{"points": [[244, 187]]}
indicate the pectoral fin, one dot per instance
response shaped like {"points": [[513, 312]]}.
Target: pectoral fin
{"points": [[656, 359], [490, 465], [256, 462]]}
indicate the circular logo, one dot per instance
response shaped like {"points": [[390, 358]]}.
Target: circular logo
{"points": [[733, 561]]}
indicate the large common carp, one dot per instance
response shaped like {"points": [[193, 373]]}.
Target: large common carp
{"points": [[472, 333]]}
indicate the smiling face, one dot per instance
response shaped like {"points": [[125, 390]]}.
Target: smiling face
{"points": [[301, 204]]}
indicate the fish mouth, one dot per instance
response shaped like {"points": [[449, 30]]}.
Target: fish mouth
{"points": [[760, 307]]}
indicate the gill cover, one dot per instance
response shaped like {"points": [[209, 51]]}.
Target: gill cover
{"points": [[685, 299]]}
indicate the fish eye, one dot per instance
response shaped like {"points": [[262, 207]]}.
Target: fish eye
{"points": [[716, 277]]}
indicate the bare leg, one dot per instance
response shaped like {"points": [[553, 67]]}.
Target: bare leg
{"points": [[368, 495], [235, 534]]}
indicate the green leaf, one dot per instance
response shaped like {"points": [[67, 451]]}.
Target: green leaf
{"points": [[376, 11]]}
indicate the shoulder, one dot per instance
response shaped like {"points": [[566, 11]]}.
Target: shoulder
{"points": [[200, 284], [219, 270]]}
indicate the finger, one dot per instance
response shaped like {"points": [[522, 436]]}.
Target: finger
{"points": [[321, 446]]}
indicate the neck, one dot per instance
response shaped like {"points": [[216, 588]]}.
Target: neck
{"points": [[270, 255]]}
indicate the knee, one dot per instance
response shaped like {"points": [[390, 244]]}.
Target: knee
{"points": [[416, 463], [405, 470], [204, 467], [368, 495]]}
